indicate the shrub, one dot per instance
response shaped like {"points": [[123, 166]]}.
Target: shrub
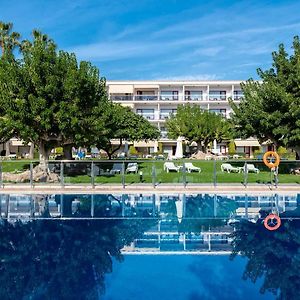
{"points": [[231, 148], [133, 151]]}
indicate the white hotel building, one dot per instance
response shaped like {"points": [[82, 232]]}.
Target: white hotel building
{"points": [[157, 100]]}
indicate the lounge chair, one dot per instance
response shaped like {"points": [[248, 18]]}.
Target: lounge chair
{"points": [[251, 168], [132, 168], [190, 168], [228, 168], [170, 166], [117, 168]]}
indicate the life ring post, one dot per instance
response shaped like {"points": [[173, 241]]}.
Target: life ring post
{"points": [[271, 164]]}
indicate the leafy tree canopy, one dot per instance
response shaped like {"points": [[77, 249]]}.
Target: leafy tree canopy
{"points": [[46, 96], [122, 123], [271, 108], [196, 124]]}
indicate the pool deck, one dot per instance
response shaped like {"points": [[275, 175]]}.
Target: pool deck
{"points": [[148, 188]]}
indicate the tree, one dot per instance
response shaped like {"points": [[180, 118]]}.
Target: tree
{"points": [[195, 124], [122, 124], [271, 108], [48, 98], [8, 39]]}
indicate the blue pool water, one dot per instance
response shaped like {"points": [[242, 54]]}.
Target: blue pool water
{"points": [[186, 277], [149, 246]]}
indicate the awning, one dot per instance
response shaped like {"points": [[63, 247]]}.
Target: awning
{"points": [[247, 143], [18, 143], [146, 86], [144, 144], [120, 89]]}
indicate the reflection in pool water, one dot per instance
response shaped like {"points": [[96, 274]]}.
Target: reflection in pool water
{"points": [[65, 243]]}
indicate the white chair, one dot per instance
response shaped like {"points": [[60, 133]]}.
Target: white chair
{"points": [[190, 168], [252, 168], [132, 168], [228, 168], [170, 166]]}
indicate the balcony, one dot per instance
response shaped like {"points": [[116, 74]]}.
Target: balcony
{"points": [[217, 97], [169, 97], [193, 98], [146, 97], [121, 97], [147, 116]]}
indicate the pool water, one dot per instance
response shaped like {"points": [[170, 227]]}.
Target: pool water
{"points": [[186, 277], [149, 246]]}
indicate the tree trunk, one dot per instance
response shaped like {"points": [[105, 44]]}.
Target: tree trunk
{"points": [[68, 152], [109, 150], [44, 153], [31, 151], [7, 148], [297, 150]]}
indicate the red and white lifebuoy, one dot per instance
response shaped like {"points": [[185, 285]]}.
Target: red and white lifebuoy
{"points": [[272, 222]]}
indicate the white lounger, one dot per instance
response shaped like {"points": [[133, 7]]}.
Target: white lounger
{"points": [[190, 168], [228, 168], [251, 168], [170, 166]]}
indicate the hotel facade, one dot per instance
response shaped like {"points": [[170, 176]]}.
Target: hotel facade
{"points": [[156, 101]]}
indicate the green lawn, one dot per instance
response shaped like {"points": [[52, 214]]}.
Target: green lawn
{"points": [[206, 175]]}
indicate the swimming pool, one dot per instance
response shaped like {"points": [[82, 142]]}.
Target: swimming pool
{"points": [[69, 242]]}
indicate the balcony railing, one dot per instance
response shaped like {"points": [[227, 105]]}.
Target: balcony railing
{"points": [[170, 97], [121, 97], [193, 97], [145, 97], [217, 97], [147, 116], [238, 97]]}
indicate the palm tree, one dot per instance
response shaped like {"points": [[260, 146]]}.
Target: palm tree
{"points": [[8, 39]]}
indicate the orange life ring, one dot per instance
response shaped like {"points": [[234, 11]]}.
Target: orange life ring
{"points": [[271, 217], [271, 164]]}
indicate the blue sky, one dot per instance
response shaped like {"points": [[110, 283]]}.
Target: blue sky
{"points": [[163, 39]]}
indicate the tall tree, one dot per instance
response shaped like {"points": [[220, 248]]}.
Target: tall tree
{"points": [[48, 98], [271, 108], [121, 123], [8, 39], [196, 124]]}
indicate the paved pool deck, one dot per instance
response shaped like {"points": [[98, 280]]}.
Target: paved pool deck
{"points": [[148, 188]]}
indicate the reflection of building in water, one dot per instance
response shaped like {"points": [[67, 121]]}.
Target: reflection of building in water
{"points": [[185, 223]]}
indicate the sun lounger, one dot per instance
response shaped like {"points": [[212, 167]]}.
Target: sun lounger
{"points": [[251, 168], [117, 168], [190, 168], [132, 168], [228, 168], [170, 166]]}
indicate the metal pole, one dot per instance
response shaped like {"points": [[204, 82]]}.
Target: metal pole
{"points": [[123, 175], [31, 175], [215, 173], [153, 175], [62, 181], [184, 175], [276, 176], [92, 175], [246, 174]]}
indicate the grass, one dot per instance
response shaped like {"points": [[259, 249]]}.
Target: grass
{"points": [[206, 175]]}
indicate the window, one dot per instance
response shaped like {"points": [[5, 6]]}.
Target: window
{"points": [[193, 95], [146, 113], [165, 113], [237, 95], [221, 111], [169, 95], [217, 95]]}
